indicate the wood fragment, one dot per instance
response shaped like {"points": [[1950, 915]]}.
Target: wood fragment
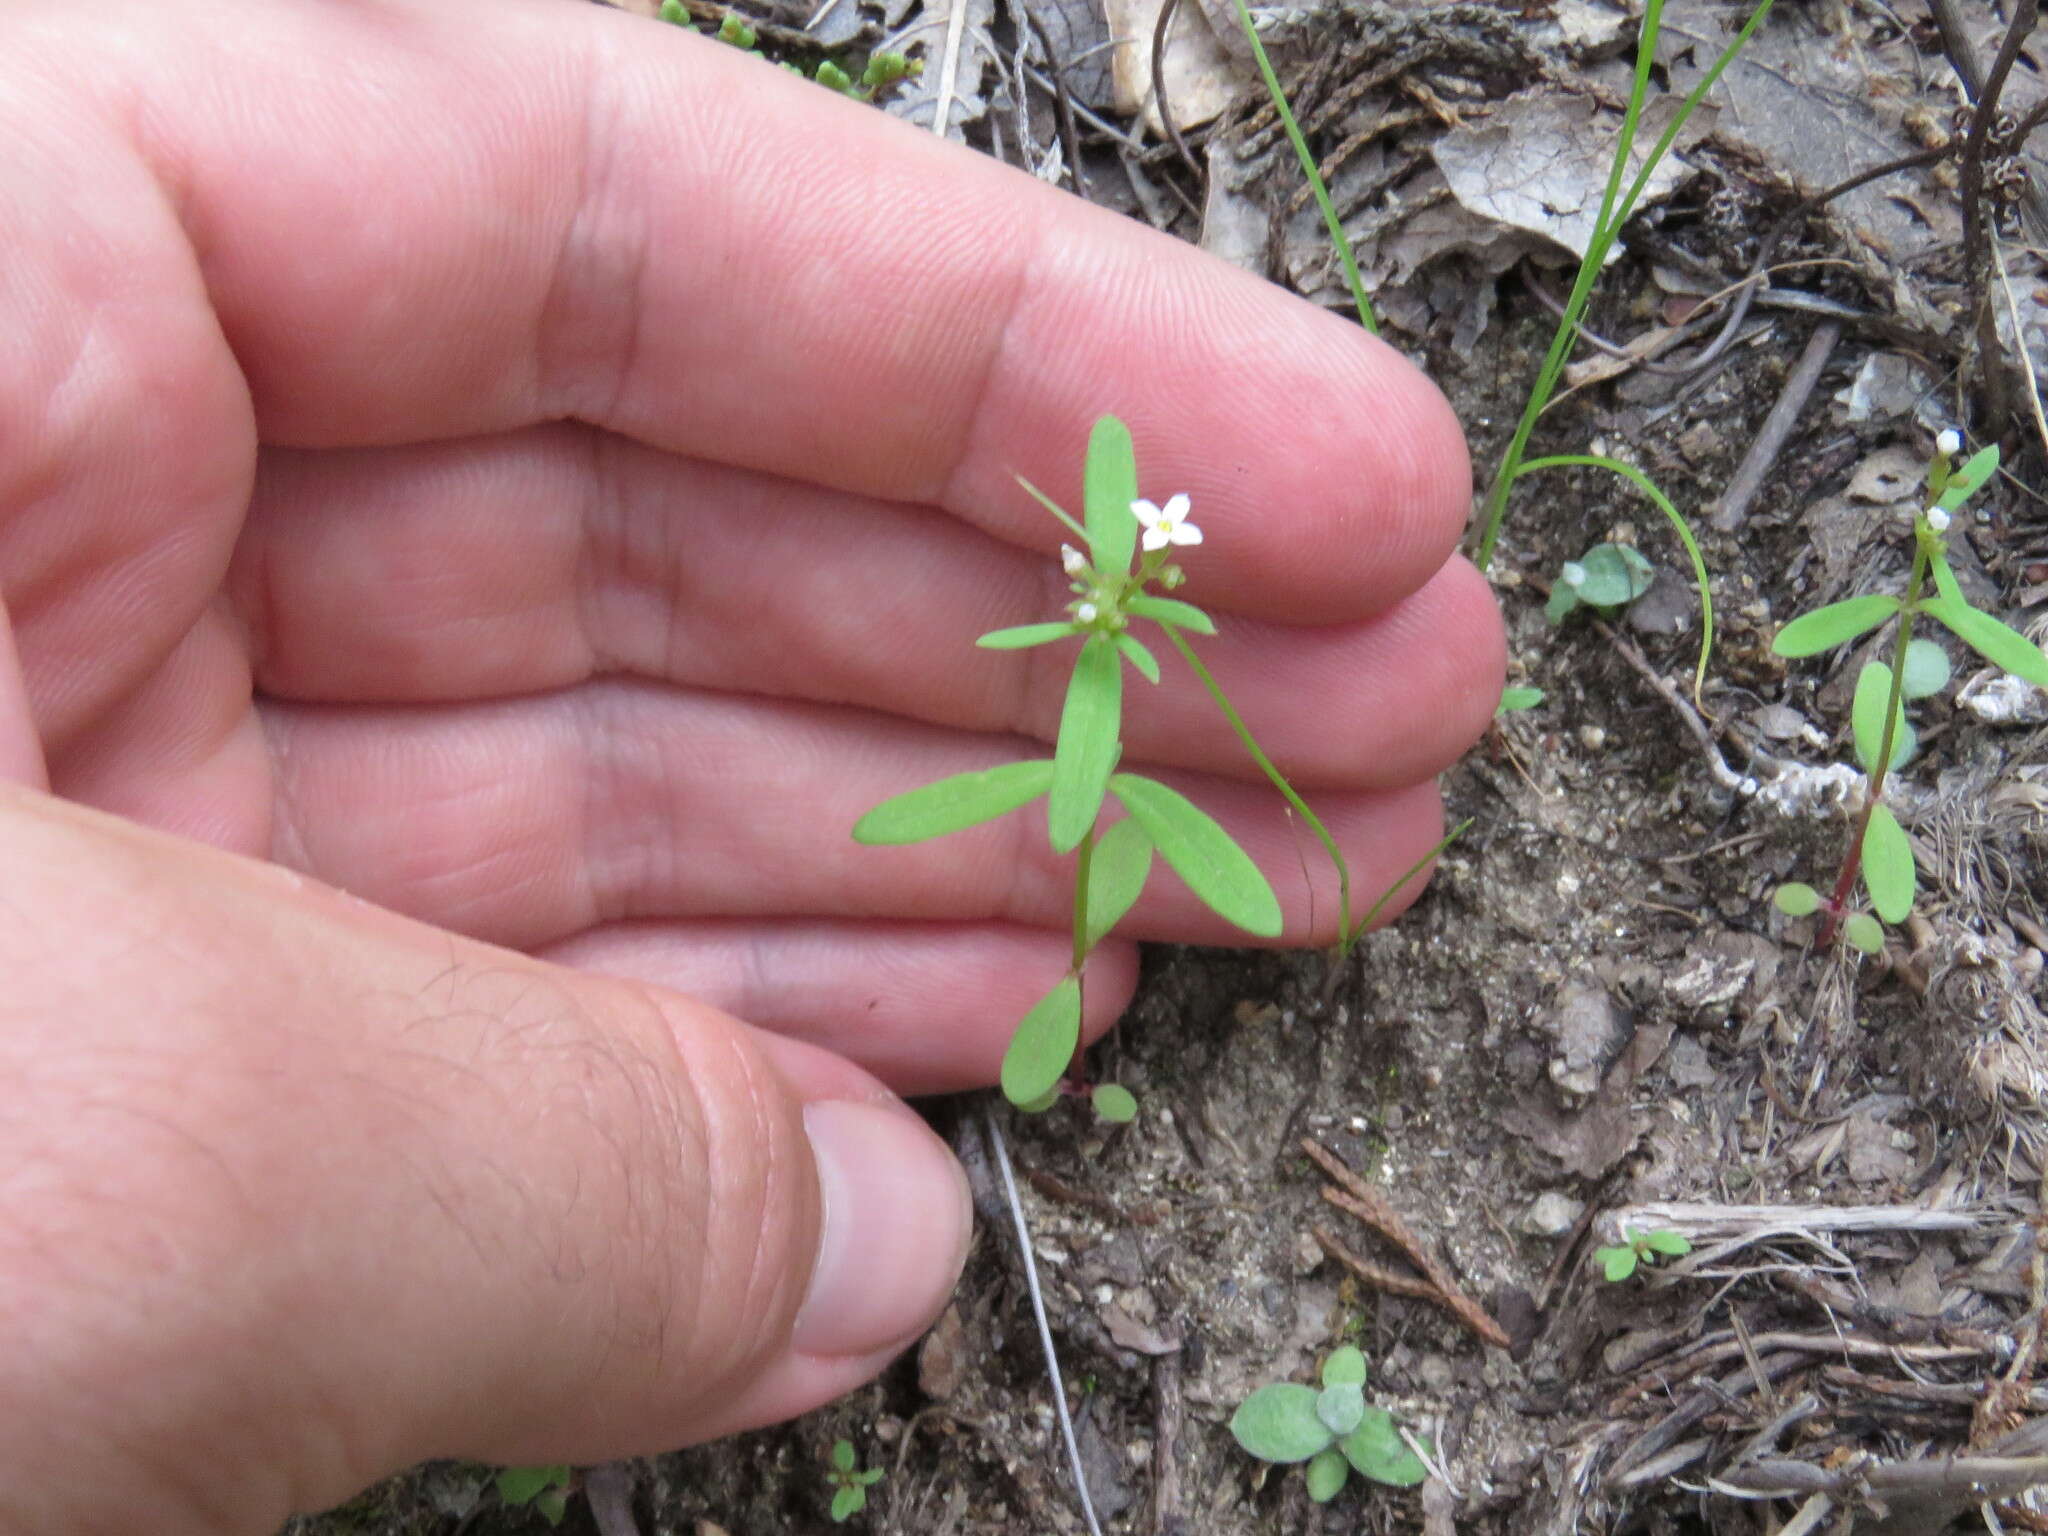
{"points": [[1770, 439], [1353, 1194]]}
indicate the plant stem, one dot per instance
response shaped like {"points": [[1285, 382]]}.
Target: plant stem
{"points": [[1084, 855], [1852, 861], [1279, 781]]}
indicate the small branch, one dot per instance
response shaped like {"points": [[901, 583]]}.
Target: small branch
{"points": [[1777, 427], [1353, 1194]]}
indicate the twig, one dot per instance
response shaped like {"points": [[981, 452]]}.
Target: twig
{"points": [[2019, 331], [1166, 1421], [1353, 1194], [1166, 12], [1052, 1359], [1770, 438], [1976, 228], [1724, 776], [1070, 135], [609, 1489]]}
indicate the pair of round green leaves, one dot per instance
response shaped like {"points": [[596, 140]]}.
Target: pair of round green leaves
{"points": [[1331, 1429]]}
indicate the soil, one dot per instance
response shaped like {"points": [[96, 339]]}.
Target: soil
{"points": [[1595, 1008]]}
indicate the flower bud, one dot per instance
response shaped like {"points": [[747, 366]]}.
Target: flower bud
{"points": [[1086, 612], [1948, 442], [1937, 519], [1072, 560], [1572, 574]]}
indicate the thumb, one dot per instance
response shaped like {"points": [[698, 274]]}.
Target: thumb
{"points": [[299, 1192]]}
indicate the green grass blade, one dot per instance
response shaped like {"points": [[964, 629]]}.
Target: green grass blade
{"points": [[1309, 169], [1086, 752], [951, 805], [1202, 854]]}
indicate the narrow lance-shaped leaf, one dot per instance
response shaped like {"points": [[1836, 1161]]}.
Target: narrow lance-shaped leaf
{"points": [[964, 800], [1996, 643], [1116, 876], [1201, 853], [1110, 485], [1866, 718], [1085, 754], [1135, 653], [1020, 636], [1825, 628], [1964, 483], [1168, 610], [1043, 1044], [1888, 866]]}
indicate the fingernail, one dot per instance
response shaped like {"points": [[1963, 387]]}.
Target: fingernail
{"points": [[897, 1219]]}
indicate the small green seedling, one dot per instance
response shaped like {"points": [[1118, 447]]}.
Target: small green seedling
{"points": [[1333, 1430], [1879, 849], [850, 1486], [881, 71], [1514, 700], [1606, 579], [1112, 861], [1640, 1250], [544, 1490]]}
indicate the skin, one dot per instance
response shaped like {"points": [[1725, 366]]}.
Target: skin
{"points": [[490, 493]]}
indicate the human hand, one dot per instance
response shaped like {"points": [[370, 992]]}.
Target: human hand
{"points": [[539, 473]]}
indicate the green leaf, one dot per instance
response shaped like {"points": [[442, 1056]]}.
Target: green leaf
{"points": [[1345, 1365], [1201, 853], [848, 1502], [1670, 1244], [1864, 933], [1115, 1103], [1795, 899], [1043, 1044], [1377, 1450], [1167, 610], [1328, 1472], [1135, 653], [842, 1455], [1116, 876], [522, 1485], [1563, 599], [1110, 485], [869, 1478], [1085, 754], [552, 1505], [1022, 636], [1617, 1263], [1888, 865], [672, 10], [1615, 575], [1042, 1103], [1341, 1407], [1964, 483], [1866, 718], [1825, 628], [1515, 699], [1927, 669], [950, 805], [1997, 644], [1278, 1423]]}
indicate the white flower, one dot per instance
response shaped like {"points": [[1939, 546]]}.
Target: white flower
{"points": [[1166, 525], [1937, 519], [1949, 441], [1085, 612], [1073, 561]]}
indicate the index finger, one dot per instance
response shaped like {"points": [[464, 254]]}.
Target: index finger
{"points": [[495, 215]]}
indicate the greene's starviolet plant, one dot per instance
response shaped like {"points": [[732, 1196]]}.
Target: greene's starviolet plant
{"points": [[1125, 552], [1334, 1430], [1879, 849]]}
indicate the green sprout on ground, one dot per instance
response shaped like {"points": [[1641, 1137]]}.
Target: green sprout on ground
{"points": [[1606, 579], [1515, 700], [1333, 1430], [850, 1485], [1879, 849], [544, 1490], [881, 71], [1640, 1250]]}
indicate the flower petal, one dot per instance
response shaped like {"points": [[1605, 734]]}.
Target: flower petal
{"points": [[1176, 507], [1155, 538], [1145, 512], [1185, 533]]}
